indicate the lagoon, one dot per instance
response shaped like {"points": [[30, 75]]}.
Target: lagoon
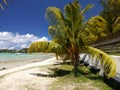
{"points": [[10, 60], [23, 56]]}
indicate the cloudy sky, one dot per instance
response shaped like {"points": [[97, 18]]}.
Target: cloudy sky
{"points": [[11, 40], [23, 21]]}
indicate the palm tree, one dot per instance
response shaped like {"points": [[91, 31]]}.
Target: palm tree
{"points": [[70, 31], [101, 27], [111, 13]]}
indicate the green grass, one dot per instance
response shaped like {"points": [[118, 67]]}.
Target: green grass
{"points": [[67, 81], [85, 81]]}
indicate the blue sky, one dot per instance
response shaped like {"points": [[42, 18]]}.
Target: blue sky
{"points": [[22, 17]]}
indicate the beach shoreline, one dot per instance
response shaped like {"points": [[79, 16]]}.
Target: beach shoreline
{"points": [[23, 76], [48, 61], [7, 64]]}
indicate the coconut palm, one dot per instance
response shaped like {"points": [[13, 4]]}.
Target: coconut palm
{"points": [[101, 27], [111, 13], [70, 31], [109, 19]]}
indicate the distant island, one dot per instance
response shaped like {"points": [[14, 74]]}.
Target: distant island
{"points": [[24, 50]]}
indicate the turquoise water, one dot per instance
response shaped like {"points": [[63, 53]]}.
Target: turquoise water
{"points": [[23, 56]]}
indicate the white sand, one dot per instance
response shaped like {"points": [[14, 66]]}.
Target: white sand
{"points": [[45, 62], [20, 78]]}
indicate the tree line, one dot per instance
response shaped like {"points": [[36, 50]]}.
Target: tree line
{"points": [[24, 50]]}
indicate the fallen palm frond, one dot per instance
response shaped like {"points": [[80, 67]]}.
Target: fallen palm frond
{"points": [[106, 61]]}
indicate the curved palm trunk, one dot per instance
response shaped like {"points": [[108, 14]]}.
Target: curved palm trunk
{"points": [[75, 62]]}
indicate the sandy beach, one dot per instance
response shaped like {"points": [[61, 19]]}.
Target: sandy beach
{"points": [[22, 78], [25, 77]]}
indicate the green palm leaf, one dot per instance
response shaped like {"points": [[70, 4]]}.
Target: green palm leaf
{"points": [[116, 25], [108, 63], [98, 25], [55, 15]]}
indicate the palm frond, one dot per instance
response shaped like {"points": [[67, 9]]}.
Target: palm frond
{"points": [[38, 47], [116, 25], [53, 15], [108, 63], [46, 47], [5, 2], [54, 48], [86, 8], [1, 6], [97, 25]]}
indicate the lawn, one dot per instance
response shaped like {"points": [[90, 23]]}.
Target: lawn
{"points": [[85, 80]]}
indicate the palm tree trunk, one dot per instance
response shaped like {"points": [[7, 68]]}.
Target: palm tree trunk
{"points": [[57, 56], [75, 62]]}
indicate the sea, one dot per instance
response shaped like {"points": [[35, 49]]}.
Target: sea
{"points": [[24, 56]]}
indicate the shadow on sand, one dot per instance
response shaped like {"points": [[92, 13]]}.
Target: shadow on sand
{"points": [[56, 73]]}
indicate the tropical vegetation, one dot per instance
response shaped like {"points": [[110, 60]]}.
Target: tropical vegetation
{"points": [[109, 19], [4, 3], [72, 35], [86, 80]]}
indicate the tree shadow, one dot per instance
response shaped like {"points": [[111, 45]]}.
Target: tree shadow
{"points": [[56, 73], [90, 73], [60, 72], [114, 84], [93, 74], [43, 75]]}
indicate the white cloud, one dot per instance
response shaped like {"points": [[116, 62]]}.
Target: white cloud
{"points": [[9, 40], [43, 39]]}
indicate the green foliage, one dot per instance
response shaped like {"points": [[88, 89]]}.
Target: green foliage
{"points": [[111, 9], [38, 47], [108, 63], [83, 82], [47, 47], [68, 28], [53, 15], [71, 34], [111, 12], [109, 19], [98, 26]]}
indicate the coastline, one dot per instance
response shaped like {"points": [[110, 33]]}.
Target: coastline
{"points": [[48, 61], [7, 64]]}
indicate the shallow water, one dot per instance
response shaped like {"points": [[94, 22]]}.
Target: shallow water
{"points": [[23, 56]]}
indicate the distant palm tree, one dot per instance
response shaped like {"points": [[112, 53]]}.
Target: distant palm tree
{"points": [[72, 36], [102, 27], [111, 13]]}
